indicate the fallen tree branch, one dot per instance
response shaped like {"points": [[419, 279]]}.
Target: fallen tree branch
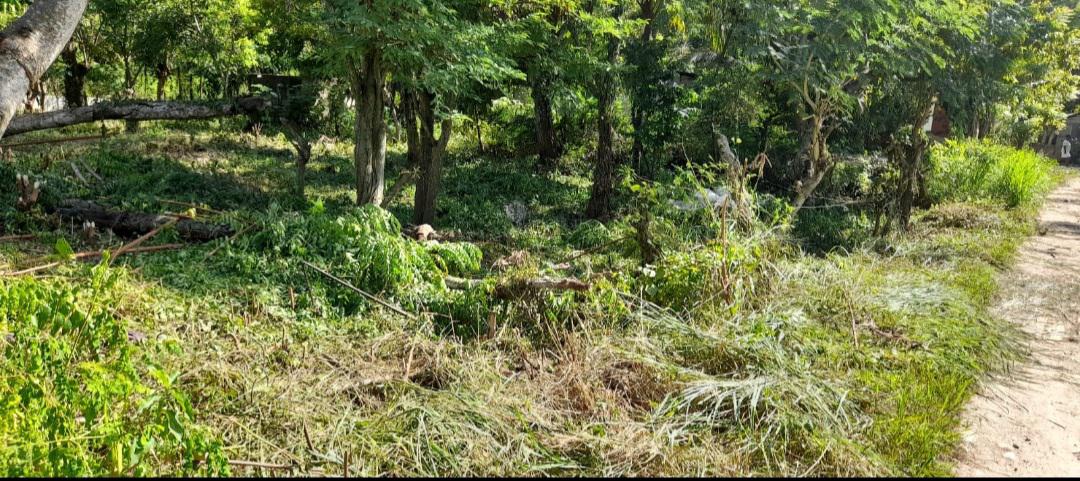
{"points": [[256, 464], [11, 238], [235, 236], [138, 110], [403, 181], [55, 141], [93, 255], [131, 224], [370, 297], [515, 288]]}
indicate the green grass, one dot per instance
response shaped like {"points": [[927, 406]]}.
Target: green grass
{"points": [[733, 357]]}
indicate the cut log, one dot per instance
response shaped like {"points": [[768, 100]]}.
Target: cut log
{"points": [[131, 224], [168, 110]]}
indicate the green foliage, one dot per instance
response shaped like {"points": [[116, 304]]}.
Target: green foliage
{"points": [[80, 399], [971, 170]]}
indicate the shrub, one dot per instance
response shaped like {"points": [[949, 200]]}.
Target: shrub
{"points": [[981, 170], [80, 399]]}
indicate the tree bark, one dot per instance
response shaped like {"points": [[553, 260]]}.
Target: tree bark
{"points": [[637, 114], [162, 72], [74, 79], [603, 187], [546, 141], [136, 111], [29, 45], [815, 154], [432, 152], [369, 154]]}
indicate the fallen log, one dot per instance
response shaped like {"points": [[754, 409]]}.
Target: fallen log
{"points": [[131, 224], [137, 110]]}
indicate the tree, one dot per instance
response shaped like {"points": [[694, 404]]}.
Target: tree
{"points": [[29, 45], [604, 27], [421, 45]]}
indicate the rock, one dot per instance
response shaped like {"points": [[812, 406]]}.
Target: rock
{"points": [[517, 212]]}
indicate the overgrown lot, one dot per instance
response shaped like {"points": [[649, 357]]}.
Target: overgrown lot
{"points": [[742, 349]]}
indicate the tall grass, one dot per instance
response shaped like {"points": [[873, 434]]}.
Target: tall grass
{"points": [[972, 170]]}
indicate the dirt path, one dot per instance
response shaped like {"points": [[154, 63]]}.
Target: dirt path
{"points": [[1029, 423]]}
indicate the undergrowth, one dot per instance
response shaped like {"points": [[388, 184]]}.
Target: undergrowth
{"points": [[733, 353]]}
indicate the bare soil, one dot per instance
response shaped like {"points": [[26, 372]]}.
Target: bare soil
{"points": [[1028, 422]]}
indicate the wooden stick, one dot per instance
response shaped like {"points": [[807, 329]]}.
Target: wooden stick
{"points": [[55, 141], [144, 238], [593, 250], [257, 464], [231, 239], [91, 255], [18, 237], [86, 165], [185, 204], [370, 297], [78, 174]]}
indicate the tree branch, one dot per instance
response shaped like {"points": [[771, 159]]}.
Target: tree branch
{"points": [[136, 111]]}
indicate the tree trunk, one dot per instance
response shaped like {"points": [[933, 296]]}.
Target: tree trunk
{"points": [[816, 156], [300, 142], [136, 111], [370, 132], [74, 79], [29, 45], [162, 72], [479, 137], [603, 187], [412, 133], [546, 142], [130, 126], [637, 114], [432, 152], [911, 168]]}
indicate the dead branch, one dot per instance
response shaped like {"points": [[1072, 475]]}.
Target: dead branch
{"points": [[368, 296], [94, 255], [515, 288]]}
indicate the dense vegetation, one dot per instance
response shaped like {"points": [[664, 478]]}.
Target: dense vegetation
{"points": [[673, 237]]}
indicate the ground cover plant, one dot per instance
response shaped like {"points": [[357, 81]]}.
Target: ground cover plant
{"points": [[735, 353], [480, 237]]}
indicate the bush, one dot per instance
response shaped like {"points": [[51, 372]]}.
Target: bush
{"points": [[79, 399], [981, 170]]}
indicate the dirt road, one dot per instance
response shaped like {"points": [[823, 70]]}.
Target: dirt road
{"points": [[1028, 424]]}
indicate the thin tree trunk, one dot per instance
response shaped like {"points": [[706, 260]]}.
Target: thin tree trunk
{"points": [[479, 137], [637, 115], [162, 77], [546, 141], [29, 45], [603, 187], [412, 133], [818, 160], [74, 79], [432, 152]]}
